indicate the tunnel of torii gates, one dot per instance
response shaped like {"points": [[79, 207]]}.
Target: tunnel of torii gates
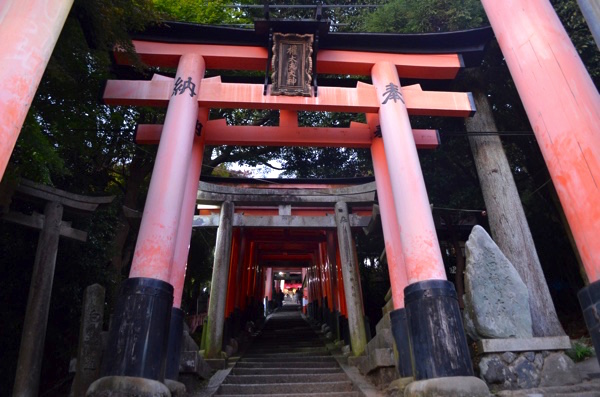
{"points": [[259, 229]]}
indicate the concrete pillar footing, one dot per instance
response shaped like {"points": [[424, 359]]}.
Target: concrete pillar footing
{"points": [[455, 386], [127, 386]]}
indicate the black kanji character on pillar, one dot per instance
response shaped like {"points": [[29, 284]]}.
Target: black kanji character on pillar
{"points": [[392, 91], [181, 86]]}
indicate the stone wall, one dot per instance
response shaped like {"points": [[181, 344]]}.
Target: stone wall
{"points": [[527, 369]]}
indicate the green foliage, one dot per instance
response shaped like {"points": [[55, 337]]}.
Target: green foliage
{"points": [[570, 15], [206, 12], [421, 16], [107, 23], [580, 350]]}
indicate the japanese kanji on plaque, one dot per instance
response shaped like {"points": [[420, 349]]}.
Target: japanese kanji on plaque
{"points": [[292, 64]]}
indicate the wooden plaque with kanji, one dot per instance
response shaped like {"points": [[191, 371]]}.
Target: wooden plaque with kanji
{"points": [[292, 64]]}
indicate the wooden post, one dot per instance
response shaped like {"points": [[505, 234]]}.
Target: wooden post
{"points": [[218, 291], [29, 364], [349, 263], [188, 208], [389, 224], [563, 106], [433, 317], [155, 245], [591, 12], [508, 224]]}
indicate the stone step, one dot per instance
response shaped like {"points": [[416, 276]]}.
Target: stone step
{"points": [[285, 378], [285, 388], [293, 364], [279, 342], [280, 349], [283, 359], [314, 352], [278, 370]]}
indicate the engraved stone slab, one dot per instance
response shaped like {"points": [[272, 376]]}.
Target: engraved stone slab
{"points": [[496, 299], [89, 355], [292, 64]]}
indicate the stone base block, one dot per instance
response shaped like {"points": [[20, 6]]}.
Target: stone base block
{"points": [[378, 358], [523, 344], [381, 377], [356, 361], [456, 386], [177, 389], [127, 386], [526, 370]]}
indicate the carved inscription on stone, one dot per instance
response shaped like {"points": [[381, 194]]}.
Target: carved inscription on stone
{"points": [[292, 64], [90, 342]]}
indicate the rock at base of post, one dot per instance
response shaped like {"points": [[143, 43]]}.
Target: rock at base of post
{"points": [[127, 386], [456, 386], [176, 388]]}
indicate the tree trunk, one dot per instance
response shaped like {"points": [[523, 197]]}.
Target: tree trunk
{"points": [[506, 216], [139, 169]]}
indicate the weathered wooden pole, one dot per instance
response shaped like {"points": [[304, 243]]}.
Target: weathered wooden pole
{"points": [[31, 352], [332, 265], [349, 264], [507, 220], [138, 337], [591, 12], [218, 289], [333, 279], [563, 107], [435, 326], [29, 30]]}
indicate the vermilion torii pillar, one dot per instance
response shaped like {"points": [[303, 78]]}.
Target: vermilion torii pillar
{"points": [[393, 252], [433, 316], [139, 332], [563, 107], [29, 30]]}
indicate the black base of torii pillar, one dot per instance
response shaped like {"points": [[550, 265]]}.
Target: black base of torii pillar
{"points": [[143, 314], [438, 341]]}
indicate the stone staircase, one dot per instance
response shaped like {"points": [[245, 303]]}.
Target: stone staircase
{"points": [[287, 359]]}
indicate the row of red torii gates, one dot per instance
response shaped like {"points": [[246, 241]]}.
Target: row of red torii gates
{"points": [[560, 99]]}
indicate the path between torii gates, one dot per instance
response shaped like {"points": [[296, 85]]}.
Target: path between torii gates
{"points": [[289, 358]]}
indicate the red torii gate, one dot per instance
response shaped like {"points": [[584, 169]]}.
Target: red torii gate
{"points": [[388, 105]]}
